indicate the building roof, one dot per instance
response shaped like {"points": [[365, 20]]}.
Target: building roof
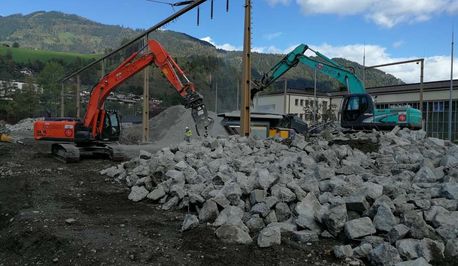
{"points": [[392, 89], [298, 92]]}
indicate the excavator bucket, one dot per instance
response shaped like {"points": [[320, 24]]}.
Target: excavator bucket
{"points": [[201, 119], [5, 138]]}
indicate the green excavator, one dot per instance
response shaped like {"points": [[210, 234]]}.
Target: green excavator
{"points": [[358, 110]]}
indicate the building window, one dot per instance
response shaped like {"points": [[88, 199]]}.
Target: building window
{"points": [[296, 102], [438, 107], [307, 103], [302, 102]]}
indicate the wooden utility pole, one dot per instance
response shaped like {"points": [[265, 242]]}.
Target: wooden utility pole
{"points": [[78, 101], [246, 76], [145, 122]]}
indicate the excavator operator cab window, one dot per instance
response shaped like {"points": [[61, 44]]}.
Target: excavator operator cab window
{"points": [[112, 129], [356, 106]]}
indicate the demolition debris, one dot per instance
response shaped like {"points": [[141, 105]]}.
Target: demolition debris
{"points": [[395, 203]]}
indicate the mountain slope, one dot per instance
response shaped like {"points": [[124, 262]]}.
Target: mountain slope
{"points": [[57, 31]]}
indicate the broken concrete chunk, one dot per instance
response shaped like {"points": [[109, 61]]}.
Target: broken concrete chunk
{"points": [[172, 202], [231, 215], [209, 211], [357, 203], [373, 190], [418, 262], [283, 194], [431, 250], [257, 195], [255, 223], [305, 236], [384, 220], [157, 193], [451, 248], [190, 221], [233, 234], [138, 193], [359, 227], [335, 219], [450, 190], [308, 222], [282, 211], [269, 236], [261, 209], [398, 232], [270, 201], [408, 248], [176, 176], [271, 217], [264, 179], [363, 250], [384, 255], [446, 218], [343, 251], [309, 205], [232, 192], [425, 175], [181, 166]]}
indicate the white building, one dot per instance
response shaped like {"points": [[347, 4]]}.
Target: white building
{"points": [[7, 88], [299, 102]]}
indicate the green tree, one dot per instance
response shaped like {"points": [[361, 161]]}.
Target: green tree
{"points": [[49, 80], [26, 101]]}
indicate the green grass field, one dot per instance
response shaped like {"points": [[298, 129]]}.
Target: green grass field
{"points": [[22, 55]]}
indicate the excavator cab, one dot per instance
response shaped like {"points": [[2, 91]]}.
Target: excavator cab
{"points": [[357, 110], [111, 126]]}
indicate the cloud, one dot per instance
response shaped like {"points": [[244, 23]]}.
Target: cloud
{"points": [[436, 67], [398, 44], [273, 49], [225, 46], [273, 35], [275, 2], [386, 13]]}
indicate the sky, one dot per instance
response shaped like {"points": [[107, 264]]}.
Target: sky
{"points": [[387, 30]]}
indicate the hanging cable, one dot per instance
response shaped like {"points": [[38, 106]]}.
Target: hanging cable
{"points": [[211, 10]]}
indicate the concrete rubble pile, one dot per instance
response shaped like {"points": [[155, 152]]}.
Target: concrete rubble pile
{"points": [[23, 125], [396, 205]]}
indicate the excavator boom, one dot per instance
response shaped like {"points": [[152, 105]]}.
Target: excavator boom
{"points": [[358, 109], [95, 113], [330, 68]]}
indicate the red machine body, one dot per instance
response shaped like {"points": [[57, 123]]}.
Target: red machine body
{"points": [[63, 130]]}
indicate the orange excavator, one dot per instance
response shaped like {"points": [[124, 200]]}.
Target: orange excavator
{"points": [[94, 134]]}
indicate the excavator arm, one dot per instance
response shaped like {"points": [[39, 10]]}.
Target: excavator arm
{"points": [[330, 68], [95, 114]]}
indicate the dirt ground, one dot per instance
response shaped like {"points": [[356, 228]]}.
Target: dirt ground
{"points": [[38, 193]]}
